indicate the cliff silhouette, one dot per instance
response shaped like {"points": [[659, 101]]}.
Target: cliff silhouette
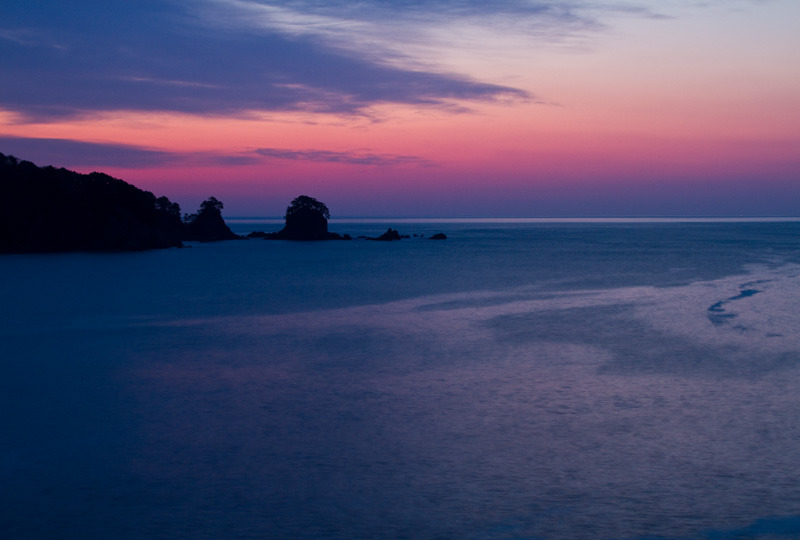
{"points": [[51, 209]]}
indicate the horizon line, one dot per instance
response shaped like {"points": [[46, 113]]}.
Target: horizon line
{"points": [[566, 219]]}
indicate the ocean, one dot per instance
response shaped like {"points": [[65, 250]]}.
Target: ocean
{"points": [[536, 379]]}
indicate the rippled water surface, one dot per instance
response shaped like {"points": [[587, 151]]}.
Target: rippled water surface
{"points": [[517, 380]]}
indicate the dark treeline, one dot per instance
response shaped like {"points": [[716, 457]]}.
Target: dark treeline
{"points": [[49, 209]]}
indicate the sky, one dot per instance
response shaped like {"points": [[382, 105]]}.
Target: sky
{"points": [[406, 108]]}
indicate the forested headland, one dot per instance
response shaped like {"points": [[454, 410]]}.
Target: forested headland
{"points": [[48, 209]]}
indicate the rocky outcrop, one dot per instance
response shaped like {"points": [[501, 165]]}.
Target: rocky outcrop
{"points": [[306, 219], [439, 236], [207, 224], [388, 236]]}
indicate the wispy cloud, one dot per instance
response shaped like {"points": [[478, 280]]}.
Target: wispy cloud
{"points": [[395, 31], [356, 157], [73, 153], [160, 57], [404, 34], [232, 57], [20, 36]]}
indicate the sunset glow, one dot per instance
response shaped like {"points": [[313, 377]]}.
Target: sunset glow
{"points": [[462, 109]]}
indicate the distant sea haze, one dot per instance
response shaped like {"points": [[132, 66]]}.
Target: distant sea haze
{"points": [[526, 378], [523, 220]]}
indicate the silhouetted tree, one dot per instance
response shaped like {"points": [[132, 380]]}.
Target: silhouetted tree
{"points": [[308, 206], [211, 205], [168, 207]]}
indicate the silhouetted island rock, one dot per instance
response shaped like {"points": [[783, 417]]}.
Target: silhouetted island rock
{"points": [[439, 236], [53, 210], [207, 224], [306, 219], [388, 236]]}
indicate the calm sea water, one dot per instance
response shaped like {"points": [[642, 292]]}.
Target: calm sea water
{"points": [[545, 380]]}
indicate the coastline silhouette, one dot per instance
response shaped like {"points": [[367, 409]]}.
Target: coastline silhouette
{"points": [[61, 210], [57, 210]]}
